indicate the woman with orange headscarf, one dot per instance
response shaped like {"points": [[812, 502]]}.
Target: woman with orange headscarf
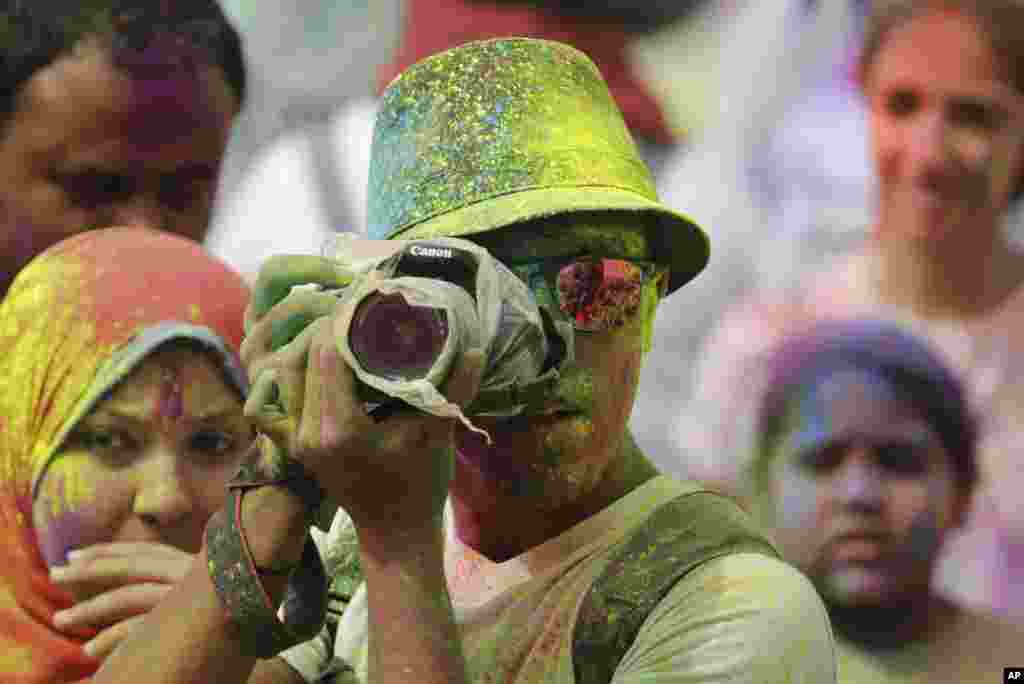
{"points": [[121, 400]]}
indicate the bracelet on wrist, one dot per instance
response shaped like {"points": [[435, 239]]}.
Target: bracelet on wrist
{"points": [[236, 577]]}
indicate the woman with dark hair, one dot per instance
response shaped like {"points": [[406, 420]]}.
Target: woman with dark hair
{"points": [[944, 84], [864, 465], [112, 112]]}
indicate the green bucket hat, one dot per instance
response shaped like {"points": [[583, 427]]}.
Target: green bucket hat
{"points": [[496, 132]]}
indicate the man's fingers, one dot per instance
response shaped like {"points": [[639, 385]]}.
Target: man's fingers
{"points": [[332, 402], [282, 324], [104, 643], [280, 274], [112, 606], [263, 393], [285, 330], [292, 355], [281, 378]]}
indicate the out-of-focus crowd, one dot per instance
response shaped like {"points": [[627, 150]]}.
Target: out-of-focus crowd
{"points": [[850, 365]]}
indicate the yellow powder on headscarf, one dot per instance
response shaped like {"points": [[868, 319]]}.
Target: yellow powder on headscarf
{"points": [[46, 369], [68, 329]]}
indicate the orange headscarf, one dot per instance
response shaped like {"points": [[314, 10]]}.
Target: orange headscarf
{"points": [[76, 321]]}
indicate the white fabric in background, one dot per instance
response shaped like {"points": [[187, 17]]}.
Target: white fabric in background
{"points": [[278, 208]]}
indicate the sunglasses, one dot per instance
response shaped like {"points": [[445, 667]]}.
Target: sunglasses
{"points": [[595, 293]]}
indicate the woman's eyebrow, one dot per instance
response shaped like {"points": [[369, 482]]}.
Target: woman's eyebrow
{"points": [[127, 412], [138, 414]]}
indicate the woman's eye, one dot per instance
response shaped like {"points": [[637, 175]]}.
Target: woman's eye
{"points": [[110, 447], [212, 442], [103, 440], [92, 189]]}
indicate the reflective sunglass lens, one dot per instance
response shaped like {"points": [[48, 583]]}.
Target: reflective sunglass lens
{"points": [[599, 294]]}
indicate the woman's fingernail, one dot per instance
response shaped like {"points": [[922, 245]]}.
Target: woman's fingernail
{"points": [[59, 572], [60, 618], [89, 648], [74, 555]]}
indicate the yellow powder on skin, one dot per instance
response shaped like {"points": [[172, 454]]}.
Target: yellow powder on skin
{"points": [[648, 306], [72, 485], [570, 438], [7, 599], [15, 659]]}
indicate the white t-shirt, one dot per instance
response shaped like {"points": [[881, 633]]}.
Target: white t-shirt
{"points": [[744, 617]]}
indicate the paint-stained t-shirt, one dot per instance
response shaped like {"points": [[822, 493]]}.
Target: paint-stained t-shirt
{"points": [[744, 617]]}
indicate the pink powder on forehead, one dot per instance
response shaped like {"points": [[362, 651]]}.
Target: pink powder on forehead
{"points": [[171, 405], [164, 111], [168, 97]]}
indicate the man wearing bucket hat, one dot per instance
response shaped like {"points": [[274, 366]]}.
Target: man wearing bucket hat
{"points": [[555, 552]]}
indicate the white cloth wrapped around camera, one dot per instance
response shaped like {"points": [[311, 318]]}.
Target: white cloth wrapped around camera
{"points": [[503, 321]]}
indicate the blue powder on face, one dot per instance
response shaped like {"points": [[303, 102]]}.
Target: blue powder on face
{"points": [[905, 364]]}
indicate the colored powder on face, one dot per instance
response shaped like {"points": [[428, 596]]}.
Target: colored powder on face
{"points": [[806, 423], [72, 486], [576, 389], [168, 100], [797, 503], [171, 405], [648, 307], [16, 660], [497, 462], [7, 599], [70, 530], [787, 494], [831, 404], [809, 423], [558, 443]]}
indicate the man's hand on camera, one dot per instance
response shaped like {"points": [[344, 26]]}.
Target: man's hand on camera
{"points": [[390, 476]]}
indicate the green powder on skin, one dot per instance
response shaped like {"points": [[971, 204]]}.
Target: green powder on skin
{"points": [[576, 388], [564, 442]]}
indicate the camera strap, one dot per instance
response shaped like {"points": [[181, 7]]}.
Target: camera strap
{"points": [[530, 395], [236, 577]]}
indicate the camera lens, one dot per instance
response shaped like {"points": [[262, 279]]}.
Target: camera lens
{"points": [[393, 339]]}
